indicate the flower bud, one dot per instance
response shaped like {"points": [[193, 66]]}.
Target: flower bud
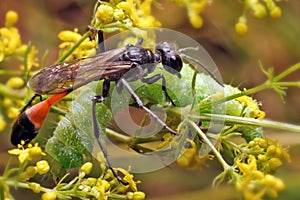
{"points": [[11, 18], [42, 167], [49, 196], [241, 28]]}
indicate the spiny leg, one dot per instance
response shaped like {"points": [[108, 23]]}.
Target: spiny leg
{"points": [[141, 105], [99, 99], [96, 129], [30, 102], [154, 79]]}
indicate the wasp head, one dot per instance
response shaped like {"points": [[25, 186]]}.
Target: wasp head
{"points": [[171, 61]]}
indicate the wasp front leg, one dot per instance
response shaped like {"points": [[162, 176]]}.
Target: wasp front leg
{"points": [[141, 105], [154, 79]]}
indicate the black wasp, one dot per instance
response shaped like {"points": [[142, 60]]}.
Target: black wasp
{"points": [[110, 66]]}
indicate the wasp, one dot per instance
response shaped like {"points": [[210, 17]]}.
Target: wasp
{"points": [[110, 66]]}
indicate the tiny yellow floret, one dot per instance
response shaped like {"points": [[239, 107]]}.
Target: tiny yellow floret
{"points": [[49, 196], [15, 82], [11, 18], [42, 167], [241, 28], [35, 187], [139, 195], [276, 13], [259, 11], [86, 167], [105, 14], [2, 124], [196, 20], [69, 36]]}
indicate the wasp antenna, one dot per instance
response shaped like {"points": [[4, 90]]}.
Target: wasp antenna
{"points": [[139, 42], [188, 58], [187, 48]]}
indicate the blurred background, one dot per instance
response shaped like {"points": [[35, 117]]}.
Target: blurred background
{"points": [[275, 43]]}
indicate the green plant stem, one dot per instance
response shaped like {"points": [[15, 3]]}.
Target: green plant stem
{"points": [[248, 121], [234, 96], [266, 85], [24, 185], [287, 84], [69, 52], [213, 149], [287, 72], [25, 62], [13, 93], [118, 136], [10, 72]]}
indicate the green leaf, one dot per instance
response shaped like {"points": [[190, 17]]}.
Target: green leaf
{"points": [[73, 137], [250, 132]]}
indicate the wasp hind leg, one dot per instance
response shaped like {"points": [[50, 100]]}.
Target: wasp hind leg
{"points": [[30, 102], [96, 130]]}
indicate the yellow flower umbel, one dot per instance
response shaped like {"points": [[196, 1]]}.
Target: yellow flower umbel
{"points": [[254, 184], [71, 38], [11, 44], [10, 39], [11, 47], [190, 157], [129, 13], [259, 9], [253, 106], [256, 179], [27, 154]]}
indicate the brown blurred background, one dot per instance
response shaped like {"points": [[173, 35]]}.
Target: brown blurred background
{"points": [[275, 43]]}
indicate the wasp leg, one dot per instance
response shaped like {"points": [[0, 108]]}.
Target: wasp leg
{"points": [[154, 79], [140, 103], [101, 46], [30, 102], [97, 131]]}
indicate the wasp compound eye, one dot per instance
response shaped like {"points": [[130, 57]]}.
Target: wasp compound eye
{"points": [[171, 61]]}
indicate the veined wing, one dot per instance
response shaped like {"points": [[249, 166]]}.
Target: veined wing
{"points": [[73, 74]]}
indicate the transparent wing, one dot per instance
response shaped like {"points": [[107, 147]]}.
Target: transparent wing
{"points": [[76, 73]]}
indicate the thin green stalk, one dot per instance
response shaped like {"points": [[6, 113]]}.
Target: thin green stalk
{"points": [[266, 85], [208, 142], [15, 183], [10, 72], [25, 62], [234, 96], [70, 51], [118, 136], [248, 121], [8, 92], [287, 72], [287, 84]]}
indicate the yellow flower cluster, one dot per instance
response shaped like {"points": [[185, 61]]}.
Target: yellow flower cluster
{"points": [[102, 187], [29, 154], [71, 38], [11, 44], [133, 13], [253, 106], [195, 8], [190, 157], [256, 180], [259, 9]]}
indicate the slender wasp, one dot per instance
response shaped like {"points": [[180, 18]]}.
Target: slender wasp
{"points": [[110, 66]]}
